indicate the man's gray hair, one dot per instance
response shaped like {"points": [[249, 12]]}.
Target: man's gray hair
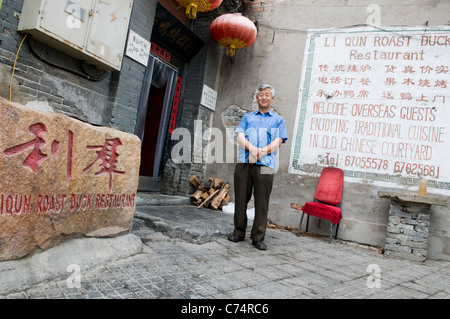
{"points": [[265, 86]]}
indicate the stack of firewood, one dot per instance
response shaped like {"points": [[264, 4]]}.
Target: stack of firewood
{"points": [[212, 194]]}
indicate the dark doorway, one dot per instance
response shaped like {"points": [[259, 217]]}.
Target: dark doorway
{"points": [[152, 123], [153, 120]]}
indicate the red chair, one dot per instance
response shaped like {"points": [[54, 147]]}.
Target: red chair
{"points": [[327, 199]]}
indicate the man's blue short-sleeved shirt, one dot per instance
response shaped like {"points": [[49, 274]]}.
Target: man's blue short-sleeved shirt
{"points": [[260, 130]]}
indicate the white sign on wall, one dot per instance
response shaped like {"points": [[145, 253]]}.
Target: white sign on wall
{"points": [[209, 98], [138, 48], [376, 103]]}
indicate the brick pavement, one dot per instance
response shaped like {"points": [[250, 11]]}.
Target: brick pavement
{"points": [[293, 267]]}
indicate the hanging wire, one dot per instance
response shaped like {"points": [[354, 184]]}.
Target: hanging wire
{"points": [[239, 5], [14, 67]]}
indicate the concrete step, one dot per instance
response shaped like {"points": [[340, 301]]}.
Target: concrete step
{"points": [[157, 199], [187, 222]]}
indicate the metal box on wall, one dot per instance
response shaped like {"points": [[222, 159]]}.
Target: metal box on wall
{"points": [[91, 30]]}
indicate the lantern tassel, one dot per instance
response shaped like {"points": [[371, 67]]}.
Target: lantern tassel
{"points": [[191, 10], [231, 50]]}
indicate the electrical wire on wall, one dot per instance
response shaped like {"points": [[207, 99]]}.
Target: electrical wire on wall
{"points": [[14, 67], [78, 67]]}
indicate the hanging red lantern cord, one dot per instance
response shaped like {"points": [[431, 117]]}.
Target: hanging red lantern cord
{"points": [[233, 31], [192, 6]]}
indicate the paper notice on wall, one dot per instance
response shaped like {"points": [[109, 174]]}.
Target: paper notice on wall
{"points": [[209, 98], [138, 48], [376, 103]]}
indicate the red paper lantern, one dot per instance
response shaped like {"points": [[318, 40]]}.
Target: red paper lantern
{"points": [[233, 31], [192, 6]]}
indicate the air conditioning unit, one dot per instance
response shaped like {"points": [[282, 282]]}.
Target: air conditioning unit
{"points": [[94, 31]]}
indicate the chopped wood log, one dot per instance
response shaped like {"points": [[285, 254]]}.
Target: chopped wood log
{"points": [[213, 191], [218, 200], [207, 199], [217, 182], [196, 195], [202, 187], [209, 183], [225, 201], [194, 181], [204, 195]]}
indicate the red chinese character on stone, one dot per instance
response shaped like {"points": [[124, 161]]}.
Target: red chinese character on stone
{"points": [[108, 157], [36, 157]]}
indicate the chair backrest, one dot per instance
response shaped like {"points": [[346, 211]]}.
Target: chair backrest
{"points": [[329, 189]]}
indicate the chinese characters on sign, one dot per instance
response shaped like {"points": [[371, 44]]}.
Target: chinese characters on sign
{"points": [[176, 101], [61, 176], [158, 51], [108, 157], [174, 36], [138, 48], [209, 98], [375, 103], [107, 154], [36, 157]]}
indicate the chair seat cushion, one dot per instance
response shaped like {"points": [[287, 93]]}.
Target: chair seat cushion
{"points": [[321, 210]]}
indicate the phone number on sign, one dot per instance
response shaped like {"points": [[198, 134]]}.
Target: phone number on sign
{"points": [[399, 167], [366, 162], [416, 169]]}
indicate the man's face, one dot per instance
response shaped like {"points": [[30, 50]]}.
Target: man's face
{"points": [[264, 98]]}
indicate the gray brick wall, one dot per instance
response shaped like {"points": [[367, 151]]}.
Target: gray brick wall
{"points": [[112, 101]]}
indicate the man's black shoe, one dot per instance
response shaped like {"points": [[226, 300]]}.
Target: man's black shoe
{"points": [[259, 244], [235, 238]]}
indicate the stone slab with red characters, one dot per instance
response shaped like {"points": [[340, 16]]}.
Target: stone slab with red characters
{"points": [[62, 178]]}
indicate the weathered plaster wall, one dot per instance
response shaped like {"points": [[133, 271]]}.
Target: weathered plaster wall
{"points": [[276, 57]]}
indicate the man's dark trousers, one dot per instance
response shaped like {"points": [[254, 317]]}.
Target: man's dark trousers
{"points": [[258, 179]]}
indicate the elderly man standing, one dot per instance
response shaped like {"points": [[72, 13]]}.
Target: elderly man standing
{"points": [[259, 135]]}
